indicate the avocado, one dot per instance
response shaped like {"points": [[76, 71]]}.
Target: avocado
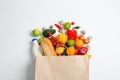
{"points": [[46, 31]]}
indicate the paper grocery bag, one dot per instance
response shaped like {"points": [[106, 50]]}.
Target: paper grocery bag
{"points": [[62, 68]]}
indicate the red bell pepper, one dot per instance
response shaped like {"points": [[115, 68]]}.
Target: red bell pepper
{"points": [[72, 34]]}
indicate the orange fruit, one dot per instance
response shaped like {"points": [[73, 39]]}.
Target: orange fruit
{"points": [[70, 51], [79, 43]]}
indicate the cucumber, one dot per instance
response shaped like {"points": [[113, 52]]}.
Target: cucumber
{"points": [[64, 52]]}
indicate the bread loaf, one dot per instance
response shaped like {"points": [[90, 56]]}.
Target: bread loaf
{"points": [[47, 47]]}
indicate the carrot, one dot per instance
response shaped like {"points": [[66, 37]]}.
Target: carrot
{"points": [[58, 26]]}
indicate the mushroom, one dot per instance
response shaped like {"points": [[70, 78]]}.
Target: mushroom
{"points": [[88, 46], [89, 37], [51, 26], [82, 35], [61, 22], [83, 32], [43, 28], [86, 41]]}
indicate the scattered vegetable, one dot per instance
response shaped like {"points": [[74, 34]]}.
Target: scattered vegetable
{"points": [[72, 34], [62, 38], [86, 41], [58, 26], [76, 51], [59, 50], [61, 22], [76, 27], [54, 41], [72, 23], [83, 32], [47, 32], [64, 52], [68, 42], [51, 26], [81, 37]]}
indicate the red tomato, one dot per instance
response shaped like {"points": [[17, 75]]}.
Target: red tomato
{"points": [[76, 51]]}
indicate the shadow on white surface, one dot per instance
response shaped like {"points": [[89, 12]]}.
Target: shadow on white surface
{"points": [[31, 66]]}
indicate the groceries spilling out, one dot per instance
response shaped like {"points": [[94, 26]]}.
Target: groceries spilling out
{"points": [[61, 39]]}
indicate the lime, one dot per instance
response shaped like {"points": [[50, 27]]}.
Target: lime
{"points": [[40, 40], [67, 25], [36, 32], [70, 43]]}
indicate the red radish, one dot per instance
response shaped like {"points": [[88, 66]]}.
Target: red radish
{"points": [[72, 23]]}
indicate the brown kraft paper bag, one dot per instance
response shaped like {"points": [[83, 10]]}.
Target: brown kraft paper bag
{"points": [[62, 68]]}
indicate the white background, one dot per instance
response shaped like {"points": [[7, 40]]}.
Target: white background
{"points": [[100, 18]]}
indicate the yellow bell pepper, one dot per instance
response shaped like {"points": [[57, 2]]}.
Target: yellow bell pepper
{"points": [[59, 50], [62, 38]]}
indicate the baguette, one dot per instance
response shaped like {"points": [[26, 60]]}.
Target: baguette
{"points": [[41, 50], [48, 48]]}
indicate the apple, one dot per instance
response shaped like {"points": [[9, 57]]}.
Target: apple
{"points": [[83, 51], [36, 32], [70, 43], [40, 40], [67, 25]]}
